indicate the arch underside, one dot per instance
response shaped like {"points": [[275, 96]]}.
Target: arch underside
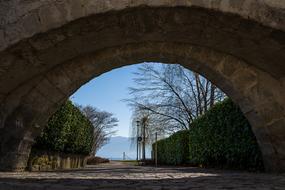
{"points": [[243, 58]]}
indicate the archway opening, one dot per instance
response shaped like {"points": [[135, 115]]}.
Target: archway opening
{"points": [[159, 90], [117, 175]]}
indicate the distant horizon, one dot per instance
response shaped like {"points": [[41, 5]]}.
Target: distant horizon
{"points": [[120, 136], [116, 147]]}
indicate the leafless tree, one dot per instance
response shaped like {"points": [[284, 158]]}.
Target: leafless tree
{"points": [[104, 124], [144, 126], [172, 95]]}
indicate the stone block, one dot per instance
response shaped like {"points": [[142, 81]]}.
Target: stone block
{"points": [[30, 23], [77, 8], [245, 105], [245, 79], [2, 40], [269, 111], [281, 148], [46, 88], [13, 33], [35, 103], [50, 17], [60, 80], [228, 66], [255, 119], [277, 128]]}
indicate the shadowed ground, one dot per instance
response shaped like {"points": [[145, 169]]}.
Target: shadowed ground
{"points": [[118, 175]]}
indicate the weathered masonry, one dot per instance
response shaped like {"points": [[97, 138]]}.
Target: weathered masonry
{"points": [[48, 49]]}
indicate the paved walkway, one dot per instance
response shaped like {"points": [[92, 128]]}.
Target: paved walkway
{"points": [[122, 176]]}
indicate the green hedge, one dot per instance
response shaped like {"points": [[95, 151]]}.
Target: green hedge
{"points": [[220, 138], [67, 131], [173, 150], [223, 137]]}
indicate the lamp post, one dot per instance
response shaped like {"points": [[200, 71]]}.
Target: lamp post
{"points": [[143, 142], [144, 123]]}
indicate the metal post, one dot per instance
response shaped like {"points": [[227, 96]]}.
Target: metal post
{"points": [[138, 122], [139, 151], [156, 149], [144, 139]]}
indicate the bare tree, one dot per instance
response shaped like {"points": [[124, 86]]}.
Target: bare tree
{"points": [[143, 126], [172, 95], [104, 124]]}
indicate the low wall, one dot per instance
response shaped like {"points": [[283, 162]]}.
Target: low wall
{"points": [[48, 161]]}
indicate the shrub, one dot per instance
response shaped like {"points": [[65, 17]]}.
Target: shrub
{"points": [[222, 137], [67, 131], [173, 150], [93, 160]]}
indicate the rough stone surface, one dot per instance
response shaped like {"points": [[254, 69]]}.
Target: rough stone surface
{"points": [[20, 18], [50, 48], [50, 161], [122, 176]]}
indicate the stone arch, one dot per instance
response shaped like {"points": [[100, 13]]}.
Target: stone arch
{"points": [[242, 56]]}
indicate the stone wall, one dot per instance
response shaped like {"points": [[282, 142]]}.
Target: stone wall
{"points": [[48, 49], [47, 161]]}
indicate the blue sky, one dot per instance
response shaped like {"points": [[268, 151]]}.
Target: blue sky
{"points": [[106, 92]]}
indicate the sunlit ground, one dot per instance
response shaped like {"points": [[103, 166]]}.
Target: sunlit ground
{"points": [[118, 175]]}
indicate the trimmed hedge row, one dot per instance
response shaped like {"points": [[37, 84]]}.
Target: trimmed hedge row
{"points": [[173, 150], [222, 137], [67, 131]]}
